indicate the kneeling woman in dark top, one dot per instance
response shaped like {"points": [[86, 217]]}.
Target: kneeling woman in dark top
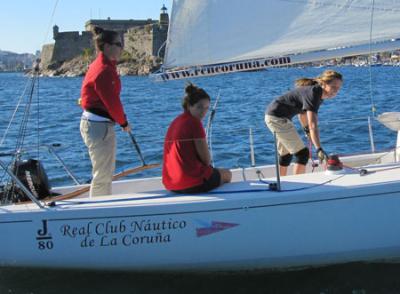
{"points": [[187, 161]]}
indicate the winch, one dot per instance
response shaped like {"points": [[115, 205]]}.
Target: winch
{"points": [[333, 163], [335, 166]]}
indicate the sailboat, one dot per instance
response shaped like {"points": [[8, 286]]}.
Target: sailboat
{"points": [[259, 221]]}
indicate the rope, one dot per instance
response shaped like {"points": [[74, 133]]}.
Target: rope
{"points": [[38, 120], [23, 127], [371, 98], [209, 126], [14, 113], [313, 186], [313, 164], [50, 22], [306, 187], [21, 135]]}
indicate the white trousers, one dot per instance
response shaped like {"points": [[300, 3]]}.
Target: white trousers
{"points": [[99, 137]]}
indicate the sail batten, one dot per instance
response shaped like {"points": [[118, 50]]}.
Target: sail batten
{"points": [[211, 32]]}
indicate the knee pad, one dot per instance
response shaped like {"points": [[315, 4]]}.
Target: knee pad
{"points": [[302, 156], [285, 159]]}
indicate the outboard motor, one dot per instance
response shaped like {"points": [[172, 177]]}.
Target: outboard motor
{"points": [[31, 173]]}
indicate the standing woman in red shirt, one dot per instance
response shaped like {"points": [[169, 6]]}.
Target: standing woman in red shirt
{"points": [[102, 108], [187, 161]]}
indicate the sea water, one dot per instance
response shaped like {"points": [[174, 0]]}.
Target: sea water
{"points": [[150, 107]]}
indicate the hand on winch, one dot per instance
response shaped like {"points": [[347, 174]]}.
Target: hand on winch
{"points": [[322, 155]]}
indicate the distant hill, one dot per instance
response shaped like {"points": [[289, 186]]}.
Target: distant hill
{"points": [[10, 61]]}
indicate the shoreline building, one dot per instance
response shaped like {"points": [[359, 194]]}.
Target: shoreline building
{"points": [[142, 38]]}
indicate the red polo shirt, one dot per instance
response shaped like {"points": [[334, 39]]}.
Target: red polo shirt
{"points": [[101, 90], [182, 167]]}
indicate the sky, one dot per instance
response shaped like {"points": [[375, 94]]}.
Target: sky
{"points": [[26, 25]]}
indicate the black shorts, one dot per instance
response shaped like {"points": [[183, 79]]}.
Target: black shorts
{"points": [[213, 182]]}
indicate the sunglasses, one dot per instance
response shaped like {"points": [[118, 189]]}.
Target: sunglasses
{"points": [[119, 44]]}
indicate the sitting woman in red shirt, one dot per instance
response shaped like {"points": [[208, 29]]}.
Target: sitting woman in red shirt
{"points": [[187, 162]]}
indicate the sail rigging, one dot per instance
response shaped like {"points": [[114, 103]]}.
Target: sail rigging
{"points": [[206, 37]]}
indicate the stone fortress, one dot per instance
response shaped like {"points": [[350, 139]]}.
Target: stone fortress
{"points": [[144, 44]]}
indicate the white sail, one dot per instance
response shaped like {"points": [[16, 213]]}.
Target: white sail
{"points": [[210, 32]]}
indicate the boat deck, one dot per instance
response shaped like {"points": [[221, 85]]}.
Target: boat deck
{"points": [[310, 186]]}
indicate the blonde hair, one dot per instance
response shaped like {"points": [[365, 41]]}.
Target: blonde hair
{"points": [[326, 77]]}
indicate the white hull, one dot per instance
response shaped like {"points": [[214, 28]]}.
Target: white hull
{"points": [[318, 219]]}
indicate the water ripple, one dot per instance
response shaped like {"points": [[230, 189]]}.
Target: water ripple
{"points": [[151, 106]]}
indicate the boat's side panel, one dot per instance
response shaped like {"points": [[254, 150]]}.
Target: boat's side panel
{"points": [[212, 237]]}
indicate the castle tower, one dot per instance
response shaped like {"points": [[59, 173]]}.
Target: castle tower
{"points": [[55, 32], [164, 18]]}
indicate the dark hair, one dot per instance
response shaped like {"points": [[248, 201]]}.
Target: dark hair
{"points": [[193, 95], [101, 37], [326, 77]]}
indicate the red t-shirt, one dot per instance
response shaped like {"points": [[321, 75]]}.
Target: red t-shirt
{"points": [[182, 167], [101, 89]]}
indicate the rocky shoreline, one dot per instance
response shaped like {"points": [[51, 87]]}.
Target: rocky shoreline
{"points": [[78, 67]]}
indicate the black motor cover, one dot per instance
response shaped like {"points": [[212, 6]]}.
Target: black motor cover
{"points": [[31, 173]]}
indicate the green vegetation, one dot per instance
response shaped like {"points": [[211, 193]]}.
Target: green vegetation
{"points": [[88, 55], [126, 57]]}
